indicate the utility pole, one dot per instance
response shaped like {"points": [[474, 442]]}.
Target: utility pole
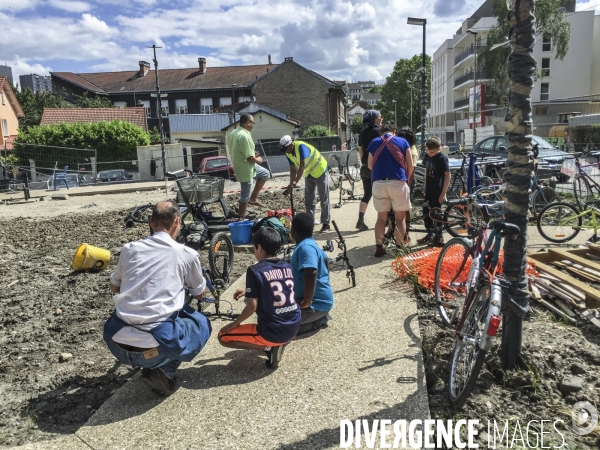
{"points": [[233, 86], [423, 23], [159, 113]]}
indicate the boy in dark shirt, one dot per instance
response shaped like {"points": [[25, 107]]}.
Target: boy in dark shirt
{"points": [[270, 293], [437, 179]]}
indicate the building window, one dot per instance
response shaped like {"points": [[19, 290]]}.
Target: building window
{"points": [[164, 107], [5, 128], [545, 67], [225, 101], [206, 105], [119, 104], [2, 96], [145, 104], [546, 45], [545, 91], [181, 106], [244, 99]]}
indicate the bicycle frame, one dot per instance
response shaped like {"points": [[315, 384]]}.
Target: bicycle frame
{"points": [[594, 225]]}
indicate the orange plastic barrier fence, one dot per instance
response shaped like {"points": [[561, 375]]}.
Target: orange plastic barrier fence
{"points": [[422, 265]]}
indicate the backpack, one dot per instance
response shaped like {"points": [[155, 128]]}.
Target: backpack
{"points": [[273, 222]]}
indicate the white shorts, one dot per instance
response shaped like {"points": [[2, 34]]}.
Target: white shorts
{"points": [[391, 194]]}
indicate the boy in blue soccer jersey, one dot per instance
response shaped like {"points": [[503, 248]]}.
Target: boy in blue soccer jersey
{"points": [[311, 276], [270, 293]]}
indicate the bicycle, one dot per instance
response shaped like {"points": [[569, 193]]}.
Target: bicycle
{"points": [[541, 194], [458, 179], [216, 286], [343, 257], [465, 213], [471, 301], [584, 185], [560, 222], [338, 172]]}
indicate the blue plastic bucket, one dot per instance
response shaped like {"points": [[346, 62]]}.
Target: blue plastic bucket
{"points": [[241, 232]]}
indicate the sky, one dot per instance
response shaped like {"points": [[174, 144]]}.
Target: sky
{"points": [[342, 40]]}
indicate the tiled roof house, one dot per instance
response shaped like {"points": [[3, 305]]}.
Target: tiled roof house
{"points": [[10, 111], [136, 116], [287, 87]]}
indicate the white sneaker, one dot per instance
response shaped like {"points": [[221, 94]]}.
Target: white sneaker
{"points": [[317, 222]]}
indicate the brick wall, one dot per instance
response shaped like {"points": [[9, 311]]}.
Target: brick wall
{"points": [[296, 92]]}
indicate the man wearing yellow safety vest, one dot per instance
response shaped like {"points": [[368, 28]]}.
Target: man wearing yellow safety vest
{"points": [[304, 158]]}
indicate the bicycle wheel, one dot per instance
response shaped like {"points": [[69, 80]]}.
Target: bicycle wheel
{"points": [[468, 358], [458, 219], [334, 169], [582, 190], [220, 255], [488, 195], [353, 165], [485, 181], [141, 214], [542, 197], [451, 272], [559, 222]]}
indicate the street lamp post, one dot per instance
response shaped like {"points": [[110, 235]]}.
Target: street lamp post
{"points": [[474, 33], [395, 119], [423, 23]]}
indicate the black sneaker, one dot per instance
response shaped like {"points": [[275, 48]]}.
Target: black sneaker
{"points": [[426, 239], [275, 355], [361, 225], [325, 228], [158, 381], [437, 241]]}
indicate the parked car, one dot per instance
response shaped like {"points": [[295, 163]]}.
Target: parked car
{"points": [[113, 175], [498, 146], [73, 180], [217, 164]]}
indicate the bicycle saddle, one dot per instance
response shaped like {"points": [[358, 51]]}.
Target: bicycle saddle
{"points": [[506, 227]]}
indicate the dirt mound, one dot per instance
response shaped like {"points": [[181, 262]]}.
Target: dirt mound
{"points": [[56, 369]]}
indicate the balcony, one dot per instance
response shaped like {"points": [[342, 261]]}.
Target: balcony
{"points": [[461, 103], [467, 52], [481, 75]]}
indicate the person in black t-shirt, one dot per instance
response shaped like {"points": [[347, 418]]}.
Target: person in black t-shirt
{"points": [[270, 293], [372, 118], [437, 179]]}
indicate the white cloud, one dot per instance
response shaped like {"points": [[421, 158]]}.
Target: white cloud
{"points": [[346, 39], [17, 5], [70, 5]]}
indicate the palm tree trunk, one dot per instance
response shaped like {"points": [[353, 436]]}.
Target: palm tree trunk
{"points": [[521, 66]]}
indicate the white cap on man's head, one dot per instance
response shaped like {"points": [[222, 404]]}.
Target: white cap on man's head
{"points": [[285, 141]]}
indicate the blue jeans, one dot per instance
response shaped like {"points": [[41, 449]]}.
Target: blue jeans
{"points": [[261, 174], [136, 359]]}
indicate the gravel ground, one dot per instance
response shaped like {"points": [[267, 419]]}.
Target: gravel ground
{"points": [[562, 367], [56, 369]]}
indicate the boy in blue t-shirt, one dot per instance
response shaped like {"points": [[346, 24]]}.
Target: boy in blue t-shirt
{"points": [[270, 293], [311, 276]]}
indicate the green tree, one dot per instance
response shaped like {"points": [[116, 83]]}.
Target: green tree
{"points": [[550, 21], [356, 125], [376, 89], [83, 101], [114, 141], [33, 105], [406, 75], [316, 131]]}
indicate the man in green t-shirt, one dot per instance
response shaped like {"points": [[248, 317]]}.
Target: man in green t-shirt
{"points": [[246, 163]]}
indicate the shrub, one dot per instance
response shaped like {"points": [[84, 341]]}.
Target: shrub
{"points": [[316, 131]]}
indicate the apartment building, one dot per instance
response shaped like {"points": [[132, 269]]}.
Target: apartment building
{"points": [[454, 74], [35, 82]]}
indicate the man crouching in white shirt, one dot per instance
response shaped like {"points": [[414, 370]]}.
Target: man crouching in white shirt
{"points": [[152, 327]]}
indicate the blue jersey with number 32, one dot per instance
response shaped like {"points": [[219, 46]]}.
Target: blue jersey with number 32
{"points": [[271, 282]]}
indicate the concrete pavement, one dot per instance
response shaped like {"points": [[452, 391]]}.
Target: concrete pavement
{"points": [[367, 364]]}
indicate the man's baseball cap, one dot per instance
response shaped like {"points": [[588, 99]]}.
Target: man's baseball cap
{"points": [[284, 142]]}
